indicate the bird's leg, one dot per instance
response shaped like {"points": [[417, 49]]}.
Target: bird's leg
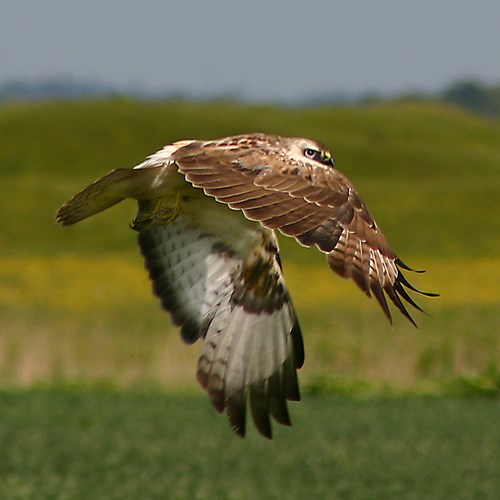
{"points": [[158, 211]]}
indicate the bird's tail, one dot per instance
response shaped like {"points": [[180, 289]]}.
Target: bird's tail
{"points": [[100, 195]]}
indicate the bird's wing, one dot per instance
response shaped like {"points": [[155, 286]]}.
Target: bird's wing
{"points": [[229, 290], [315, 205]]}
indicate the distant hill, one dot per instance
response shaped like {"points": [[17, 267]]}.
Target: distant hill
{"points": [[395, 148]]}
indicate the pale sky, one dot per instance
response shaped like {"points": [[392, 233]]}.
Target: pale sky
{"points": [[259, 49]]}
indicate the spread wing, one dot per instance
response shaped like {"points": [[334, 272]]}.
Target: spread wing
{"points": [[230, 292], [315, 205]]}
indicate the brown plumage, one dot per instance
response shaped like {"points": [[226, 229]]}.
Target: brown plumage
{"points": [[217, 270]]}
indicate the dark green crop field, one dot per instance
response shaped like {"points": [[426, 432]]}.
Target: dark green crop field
{"points": [[98, 444]]}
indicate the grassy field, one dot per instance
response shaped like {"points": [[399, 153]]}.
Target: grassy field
{"points": [[75, 304], [101, 444], [97, 392]]}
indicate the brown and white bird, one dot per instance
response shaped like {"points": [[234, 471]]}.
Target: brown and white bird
{"points": [[207, 211]]}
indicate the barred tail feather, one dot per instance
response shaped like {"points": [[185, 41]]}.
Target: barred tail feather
{"points": [[107, 191], [100, 195]]}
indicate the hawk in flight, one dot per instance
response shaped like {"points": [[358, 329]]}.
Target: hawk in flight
{"points": [[206, 221]]}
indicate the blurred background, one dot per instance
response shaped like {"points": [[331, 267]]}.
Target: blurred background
{"points": [[405, 94]]}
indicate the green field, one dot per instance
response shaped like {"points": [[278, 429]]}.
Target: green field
{"points": [[97, 390], [101, 444], [76, 306]]}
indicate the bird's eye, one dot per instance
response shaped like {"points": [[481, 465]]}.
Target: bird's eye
{"points": [[311, 153], [324, 156]]}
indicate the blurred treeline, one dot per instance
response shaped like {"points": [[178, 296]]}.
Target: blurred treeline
{"points": [[468, 94]]}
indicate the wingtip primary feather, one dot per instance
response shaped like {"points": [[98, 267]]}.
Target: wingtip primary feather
{"points": [[407, 284]]}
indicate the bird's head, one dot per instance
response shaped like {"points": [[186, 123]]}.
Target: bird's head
{"points": [[308, 151]]}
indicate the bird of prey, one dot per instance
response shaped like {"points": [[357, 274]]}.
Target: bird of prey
{"points": [[206, 221]]}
